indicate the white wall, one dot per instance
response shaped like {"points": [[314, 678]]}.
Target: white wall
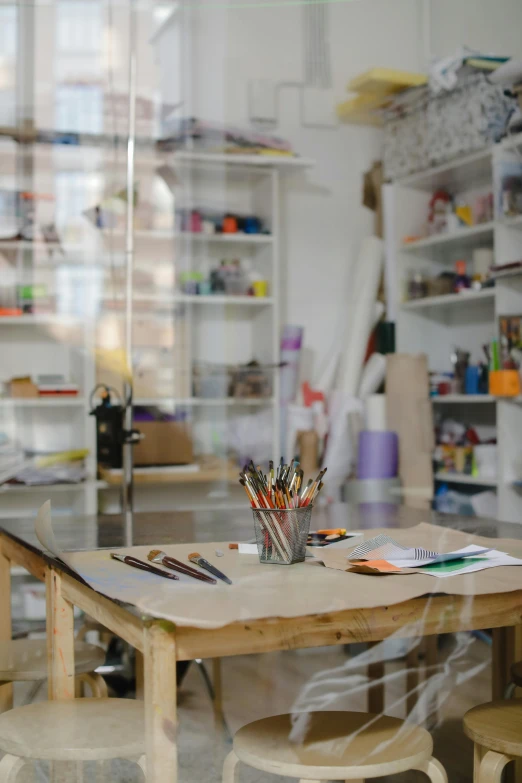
{"points": [[323, 222]]}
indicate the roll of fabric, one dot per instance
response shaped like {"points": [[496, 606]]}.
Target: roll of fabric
{"points": [[373, 375], [378, 455]]}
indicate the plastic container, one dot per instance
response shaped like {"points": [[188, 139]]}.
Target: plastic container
{"points": [[281, 534], [211, 381], [504, 383], [378, 455], [485, 455]]}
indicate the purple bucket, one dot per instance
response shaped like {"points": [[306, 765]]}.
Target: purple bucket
{"points": [[378, 455]]}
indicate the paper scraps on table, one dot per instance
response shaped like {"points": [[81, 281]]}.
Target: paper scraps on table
{"points": [[383, 555]]}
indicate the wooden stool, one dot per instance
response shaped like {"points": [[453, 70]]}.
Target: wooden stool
{"points": [[26, 660], [516, 680], [71, 731], [333, 746], [496, 730]]}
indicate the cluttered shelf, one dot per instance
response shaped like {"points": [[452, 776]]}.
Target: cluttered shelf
{"points": [[64, 487], [205, 470], [57, 401], [465, 237], [239, 238], [463, 478], [172, 402], [465, 297], [462, 398], [213, 299], [466, 171], [236, 160], [39, 319]]}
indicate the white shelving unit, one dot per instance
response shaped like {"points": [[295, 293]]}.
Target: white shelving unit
{"points": [[30, 344], [218, 328], [437, 325]]}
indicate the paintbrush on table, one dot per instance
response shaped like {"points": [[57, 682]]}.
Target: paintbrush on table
{"points": [[196, 558], [143, 566], [157, 556]]}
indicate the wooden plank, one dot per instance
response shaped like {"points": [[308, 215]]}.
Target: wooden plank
{"points": [[160, 703], [439, 614], [210, 470], [111, 615], [23, 556], [6, 689], [60, 639]]}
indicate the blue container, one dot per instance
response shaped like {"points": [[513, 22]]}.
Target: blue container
{"points": [[471, 380]]}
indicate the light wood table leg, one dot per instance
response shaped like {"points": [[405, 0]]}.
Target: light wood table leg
{"points": [[60, 639], [160, 703], [412, 678], [376, 671], [499, 663], [217, 682], [507, 649], [139, 675], [6, 689], [60, 660]]}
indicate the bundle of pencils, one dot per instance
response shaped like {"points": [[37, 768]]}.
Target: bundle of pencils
{"points": [[279, 489]]}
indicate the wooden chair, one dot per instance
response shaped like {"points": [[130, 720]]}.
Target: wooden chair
{"points": [[26, 660], [496, 730], [337, 746], [69, 732]]}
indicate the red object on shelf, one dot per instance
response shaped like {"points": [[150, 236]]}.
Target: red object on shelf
{"points": [[229, 225], [311, 395]]}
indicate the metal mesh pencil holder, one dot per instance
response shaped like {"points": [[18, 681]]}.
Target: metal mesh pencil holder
{"points": [[281, 534]]}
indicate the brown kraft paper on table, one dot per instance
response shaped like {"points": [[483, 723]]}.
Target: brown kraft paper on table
{"points": [[261, 591]]}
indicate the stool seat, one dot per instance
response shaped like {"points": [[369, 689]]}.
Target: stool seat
{"points": [[75, 730], [516, 673], [333, 745], [496, 726], [26, 659]]}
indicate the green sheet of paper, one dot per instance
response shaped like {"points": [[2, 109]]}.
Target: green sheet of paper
{"points": [[452, 565]]}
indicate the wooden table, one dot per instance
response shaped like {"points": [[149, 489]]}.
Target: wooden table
{"points": [[162, 644]]}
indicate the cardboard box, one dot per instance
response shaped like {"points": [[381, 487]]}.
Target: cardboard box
{"points": [[164, 443], [22, 388], [409, 414]]}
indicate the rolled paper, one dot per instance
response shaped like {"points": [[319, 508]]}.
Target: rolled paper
{"points": [[367, 275], [373, 375], [376, 420]]}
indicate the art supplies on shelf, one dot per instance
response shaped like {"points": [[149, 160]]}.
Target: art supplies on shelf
{"points": [[230, 278], [210, 222], [282, 508]]}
